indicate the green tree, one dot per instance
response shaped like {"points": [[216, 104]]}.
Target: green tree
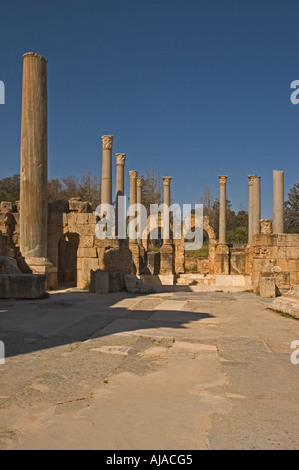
{"points": [[88, 188], [292, 210], [10, 189]]}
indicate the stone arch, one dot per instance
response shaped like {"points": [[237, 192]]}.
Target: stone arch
{"points": [[212, 239]]}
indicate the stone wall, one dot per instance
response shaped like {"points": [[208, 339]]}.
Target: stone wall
{"points": [[277, 254], [237, 259]]}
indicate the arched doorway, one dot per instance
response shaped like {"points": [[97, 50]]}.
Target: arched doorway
{"points": [[201, 260], [67, 259]]}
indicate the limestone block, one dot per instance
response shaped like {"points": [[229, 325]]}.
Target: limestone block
{"points": [[288, 303], [283, 280], [288, 239], [227, 280], [90, 263], [167, 259], [158, 280], [289, 264], [77, 205], [82, 219], [87, 253], [86, 241], [101, 282], [116, 281], [22, 286], [263, 265], [132, 284], [72, 219], [294, 277], [9, 266], [83, 277], [267, 287], [288, 252], [263, 239]]}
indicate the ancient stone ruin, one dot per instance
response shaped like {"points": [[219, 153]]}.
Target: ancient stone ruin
{"points": [[46, 245]]}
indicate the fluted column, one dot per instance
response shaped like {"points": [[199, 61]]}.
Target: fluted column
{"points": [[250, 208], [166, 200], [34, 159], [278, 201], [222, 209], [256, 212], [106, 186], [133, 199]]}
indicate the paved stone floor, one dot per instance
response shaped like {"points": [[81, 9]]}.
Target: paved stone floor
{"points": [[165, 371]]}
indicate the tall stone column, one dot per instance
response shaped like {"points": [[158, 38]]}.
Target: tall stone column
{"points": [[106, 185], [139, 190], [34, 166], [120, 185], [133, 200], [120, 174], [278, 201], [166, 200], [167, 249], [250, 208], [222, 209], [139, 200], [256, 212]]}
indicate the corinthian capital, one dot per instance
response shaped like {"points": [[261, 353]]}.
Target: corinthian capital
{"points": [[107, 142], [166, 180], [222, 180], [250, 179], [139, 182], [133, 174], [120, 159]]}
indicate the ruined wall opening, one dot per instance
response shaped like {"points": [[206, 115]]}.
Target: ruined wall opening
{"points": [[200, 260], [197, 259], [67, 259]]}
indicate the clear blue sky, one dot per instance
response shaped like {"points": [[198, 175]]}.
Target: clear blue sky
{"points": [[191, 88]]}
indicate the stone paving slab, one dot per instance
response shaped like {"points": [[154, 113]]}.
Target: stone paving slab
{"points": [[162, 371]]}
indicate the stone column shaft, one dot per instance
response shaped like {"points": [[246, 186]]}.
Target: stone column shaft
{"points": [[34, 159], [120, 185], [222, 209], [106, 182], [250, 208], [256, 211], [120, 174], [278, 201], [139, 200], [133, 200], [166, 200]]}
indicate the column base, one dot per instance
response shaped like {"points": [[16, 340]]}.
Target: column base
{"points": [[44, 266]]}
